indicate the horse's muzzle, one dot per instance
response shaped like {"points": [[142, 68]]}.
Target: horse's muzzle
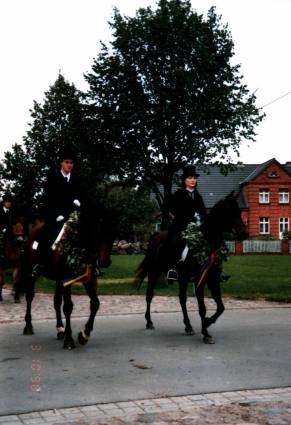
{"points": [[242, 235], [105, 263]]}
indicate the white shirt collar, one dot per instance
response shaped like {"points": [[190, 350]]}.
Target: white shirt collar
{"points": [[5, 209], [67, 176]]}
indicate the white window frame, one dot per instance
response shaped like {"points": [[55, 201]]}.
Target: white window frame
{"points": [[264, 226], [283, 225], [283, 196], [264, 196]]}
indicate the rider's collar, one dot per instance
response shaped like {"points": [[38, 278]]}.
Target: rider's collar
{"points": [[67, 176]]}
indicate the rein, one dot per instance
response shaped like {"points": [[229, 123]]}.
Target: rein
{"points": [[202, 272]]}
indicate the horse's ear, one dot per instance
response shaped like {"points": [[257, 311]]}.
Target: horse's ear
{"points": [[232, 195], [237, 193]]}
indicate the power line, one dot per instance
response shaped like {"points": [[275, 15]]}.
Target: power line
{"points": [[275, 100]]}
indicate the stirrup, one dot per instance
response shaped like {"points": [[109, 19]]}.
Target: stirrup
{"points": [[172, 274], [36, 270], [224, 277]]}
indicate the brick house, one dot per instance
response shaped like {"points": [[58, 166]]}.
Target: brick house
{"points": [[264, 199]]}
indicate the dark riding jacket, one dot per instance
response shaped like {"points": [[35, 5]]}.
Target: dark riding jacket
{"points": [[60, 195], [184, 206], [6, 218]]}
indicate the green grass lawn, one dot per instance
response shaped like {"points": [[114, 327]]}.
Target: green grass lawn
{"points": [[252, 277], [259, 276]]}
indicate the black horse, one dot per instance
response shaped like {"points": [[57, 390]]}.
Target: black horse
{"points": [[224, 217], [102, 231]]}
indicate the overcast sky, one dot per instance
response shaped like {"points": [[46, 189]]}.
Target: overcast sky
{"points": [[39, 38]]}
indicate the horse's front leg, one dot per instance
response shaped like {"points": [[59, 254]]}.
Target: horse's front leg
{"points": [[28, 328], [213, 283], [91, 289], [152, 280], [69, 342], [58, 299], [207, 338], [183, 286]]}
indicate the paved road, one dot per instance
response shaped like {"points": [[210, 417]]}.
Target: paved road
{"points": [[127, 374]]}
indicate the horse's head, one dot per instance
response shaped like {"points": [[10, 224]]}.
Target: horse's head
{"points": [[99, 228], [17, 229], [225, 217]]}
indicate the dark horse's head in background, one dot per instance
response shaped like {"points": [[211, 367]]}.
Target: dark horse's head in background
{"points": [[98, 228]]}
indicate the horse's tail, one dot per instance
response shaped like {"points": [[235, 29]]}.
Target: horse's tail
{"points": [[141, 272], [152, 257]]}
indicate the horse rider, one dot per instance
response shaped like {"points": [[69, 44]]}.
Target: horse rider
{"points": [[6, 221], [186, 206], [61, 197], [6, 211]]}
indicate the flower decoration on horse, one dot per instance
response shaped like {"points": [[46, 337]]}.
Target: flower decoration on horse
{"points": [[70, 245], [199, 247]]}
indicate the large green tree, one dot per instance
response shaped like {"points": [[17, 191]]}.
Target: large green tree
{"points": [[166, 92], [134, 207]]}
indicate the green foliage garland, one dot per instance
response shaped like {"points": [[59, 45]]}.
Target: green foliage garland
{"points": [[199, 247], [70, 245]]}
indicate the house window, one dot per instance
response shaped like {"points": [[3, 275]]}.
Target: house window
{"points": [[264, 196], [283, 225], [264, 225], [283, 196], [273, 174]]}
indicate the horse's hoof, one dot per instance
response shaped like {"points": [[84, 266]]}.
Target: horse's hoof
{"points": [[150, 326], [28, 330], [69, 344], [189, 330], [82, 338], [60, 335], [208, 340]]}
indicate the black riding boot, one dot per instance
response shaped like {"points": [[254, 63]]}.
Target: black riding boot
{"points": [[175, 248]]}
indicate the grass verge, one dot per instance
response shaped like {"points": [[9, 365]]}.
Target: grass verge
{"points": [[252, 277]]}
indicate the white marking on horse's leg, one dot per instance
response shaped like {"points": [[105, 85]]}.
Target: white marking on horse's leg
{"points": [[86, 337], [60, 329]]}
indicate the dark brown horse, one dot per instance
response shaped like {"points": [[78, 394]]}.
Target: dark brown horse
{"points": [[102, 231], [12, 245], [225, 217]]}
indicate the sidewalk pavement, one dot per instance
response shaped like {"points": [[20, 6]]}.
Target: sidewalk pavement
{"points": [[249, 407], [43, 309]]}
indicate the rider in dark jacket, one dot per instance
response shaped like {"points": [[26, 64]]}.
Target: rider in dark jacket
{"points": [[6, 222], [6, 213], [61, 197], [187, 206]]}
